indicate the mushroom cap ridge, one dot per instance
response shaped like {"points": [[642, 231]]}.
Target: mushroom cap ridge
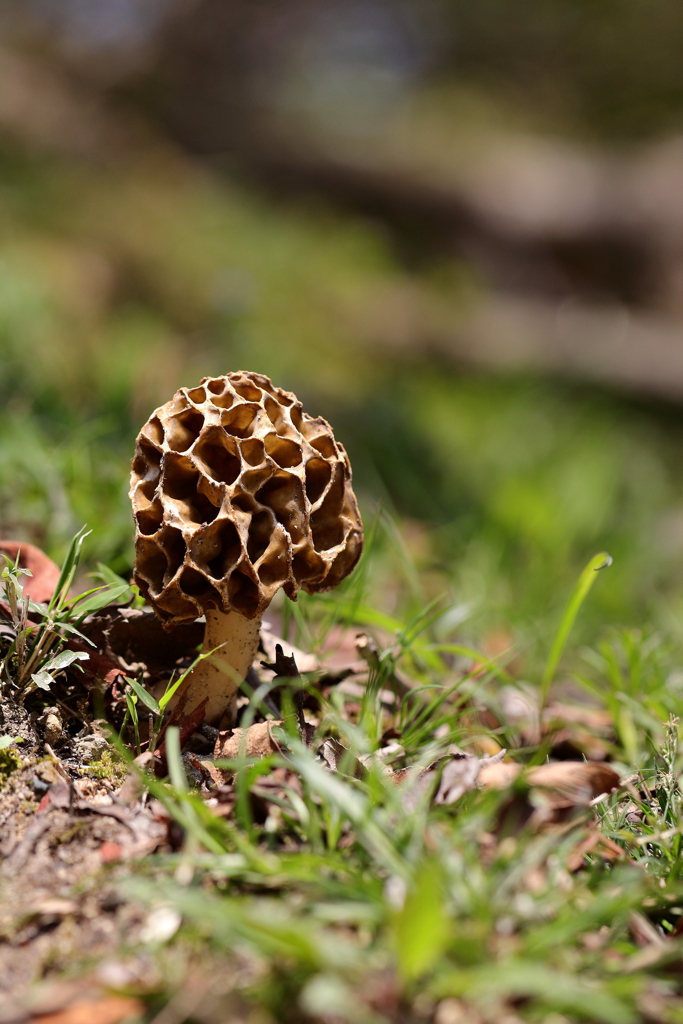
{"points": [[236, 492]]}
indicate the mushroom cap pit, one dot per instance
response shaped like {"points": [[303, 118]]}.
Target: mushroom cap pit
{"points": [[237, 492]]}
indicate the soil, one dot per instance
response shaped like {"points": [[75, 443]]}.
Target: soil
{"points": [[72, 820], [64, 845], [74, 823]]}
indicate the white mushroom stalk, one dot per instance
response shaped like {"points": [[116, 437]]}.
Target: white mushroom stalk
{"points": [[230, 646], [236, 493]]}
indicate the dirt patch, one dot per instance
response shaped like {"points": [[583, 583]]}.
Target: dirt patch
{"points": [[17, 722], [64, 845]]}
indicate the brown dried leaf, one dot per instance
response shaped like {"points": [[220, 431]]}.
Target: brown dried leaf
{"points": [[105, 1010], [40, 586], [218, 775], [643, 932], [574, 783], [338, 757], [458, 777], [462, 774], [565, 783], [579, 714], [256, 741], [597, 843]]}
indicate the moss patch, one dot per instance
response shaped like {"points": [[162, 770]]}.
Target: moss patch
{"points": [[9, 762], [110, 766]]}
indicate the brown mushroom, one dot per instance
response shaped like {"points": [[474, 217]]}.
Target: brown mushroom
{"points": [[237, 492]]}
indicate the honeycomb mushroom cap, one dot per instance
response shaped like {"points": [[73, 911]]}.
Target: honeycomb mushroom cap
{"points": [[237, 492]]}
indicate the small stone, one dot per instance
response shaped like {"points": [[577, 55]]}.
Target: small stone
{"points": [[161, 925], [90, 748], [52, 725]]}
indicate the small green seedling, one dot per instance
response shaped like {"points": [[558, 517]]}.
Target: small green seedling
{"points": [[34, 656]]}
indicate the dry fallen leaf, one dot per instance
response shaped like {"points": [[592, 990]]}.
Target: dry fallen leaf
{"points": [[256, 741], [462, 774], [106, 1010], [40, 586], [596, 843], [499, 776], [574, 783], [643, 932], [564, 784], [581, 714], [339, 758]]}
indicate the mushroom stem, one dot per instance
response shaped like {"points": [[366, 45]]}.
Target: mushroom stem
{"points": [[234, 640]]}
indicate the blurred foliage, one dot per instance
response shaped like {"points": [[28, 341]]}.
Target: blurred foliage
{"points": [[609, 68], [118, 286]]}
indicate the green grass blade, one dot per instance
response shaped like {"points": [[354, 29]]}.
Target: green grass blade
{"points": [[586, 580], [144, 695], [175, 764], [172, 687], [93, 600], [69, 567]]}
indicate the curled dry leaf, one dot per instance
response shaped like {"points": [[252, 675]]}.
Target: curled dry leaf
{"points": [[461, 775], [573, 783], [596, 843], [256, 741], [40, 585], [581, 714], [564, 784], [339, 758], [105, 1010], [643, 932]]}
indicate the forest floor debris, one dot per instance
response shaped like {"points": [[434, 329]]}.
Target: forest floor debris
{"points": [[404, 847]]}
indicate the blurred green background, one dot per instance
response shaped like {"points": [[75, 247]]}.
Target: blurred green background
{"points": [[389, 209]]}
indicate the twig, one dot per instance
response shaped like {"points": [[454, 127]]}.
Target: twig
{"points": [[285, 669]]}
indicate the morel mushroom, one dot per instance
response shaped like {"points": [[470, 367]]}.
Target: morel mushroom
{"points": [[237, 492]]}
